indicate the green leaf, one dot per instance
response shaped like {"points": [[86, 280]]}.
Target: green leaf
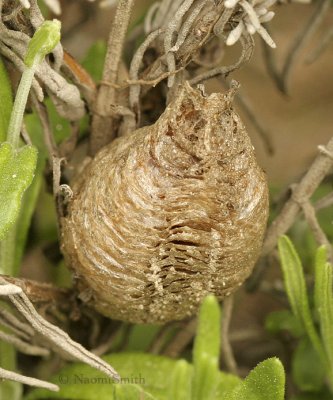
{"points": [[130, 392], [307, 369], [6, 101], [265, 382], [323, 298], [294, 281], [206, 350], [44, 40], [153, 373], [180, 387], [17, 169], [28, 207], [283, 320]]}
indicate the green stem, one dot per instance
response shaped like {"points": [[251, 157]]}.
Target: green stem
{"points": [[8, 389], [7, 253], [20, 102]]}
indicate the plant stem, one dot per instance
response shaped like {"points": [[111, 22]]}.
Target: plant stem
{"points": [[102, 130], [20, 102], [7, 253], [8, 389]]}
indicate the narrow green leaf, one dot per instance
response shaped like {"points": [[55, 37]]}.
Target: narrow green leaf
{"points": [[180, 387], [16, 173], [293, 277], [6, 101], [28, 206], [324, 302], [265, 382], [205, 379], [207, 341], [294, 281], [153, 373], [45, 39], [206, 350], [308, 370]]}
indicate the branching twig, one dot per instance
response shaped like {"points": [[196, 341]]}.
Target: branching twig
{"points": [[247, 50], [319, 235], [264, 135], [303, 191], [55, 337]]}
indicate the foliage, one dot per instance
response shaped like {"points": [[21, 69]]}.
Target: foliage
{"points": [[314, 327], [16, 173], [162, 378]]}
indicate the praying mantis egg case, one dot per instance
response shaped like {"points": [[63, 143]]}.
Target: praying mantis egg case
{"points": [[168, 214]]}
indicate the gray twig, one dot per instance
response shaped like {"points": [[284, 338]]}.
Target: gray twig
{"points": [[26, 380], [247, 51], [319, 234], [302, 192]]}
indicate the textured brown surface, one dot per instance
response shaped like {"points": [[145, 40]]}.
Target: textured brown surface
{"points": [[168, 214]]}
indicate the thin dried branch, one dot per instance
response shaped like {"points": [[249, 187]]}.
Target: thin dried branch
{"points": [[230, 361], [46, 126], [271, 65], [172, 28], [301, 40], [22, 346], [134, 93], [323, 45], [38, 292], [149, 17], [26, 380], [20, 328], [181, 339], [102, 123], [186, 26], [324, 202], [56, 338], [104, 347], [262, 132], [301, 194], [159, 340], [247, 51], [318, 233]]}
